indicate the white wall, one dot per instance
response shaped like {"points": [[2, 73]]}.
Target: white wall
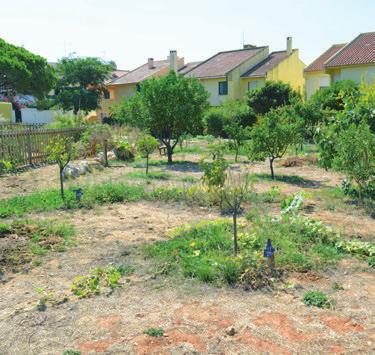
{"points": [[32, 115]]}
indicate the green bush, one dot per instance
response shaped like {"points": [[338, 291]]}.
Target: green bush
{"points": [[316, 299], [124, 151], [333, 97], [6, 166], [272, 95], [215, 122], [65, 120], [71, 352], [154, 332]]}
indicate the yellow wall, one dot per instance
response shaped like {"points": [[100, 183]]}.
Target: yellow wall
{"points": [[235, 90], [212, 86], [117, 93], [314, 81], [354, 72], [290, 71], [6, 111], [258, 82]]}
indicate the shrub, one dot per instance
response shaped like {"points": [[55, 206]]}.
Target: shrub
{"points": [[65, 120], [356, 155], [333, 97], [71, 352], [154, 332], [124, 151], [271, 96], [6, 166], [316, 299], [94, 137], [215, 122]]}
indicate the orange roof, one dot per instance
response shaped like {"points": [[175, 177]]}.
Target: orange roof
{"points": [[141, 73], [223, 62], [318, 63], [359, 51]]}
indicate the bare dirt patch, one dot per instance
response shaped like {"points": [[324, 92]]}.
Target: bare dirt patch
{"points": [[195, 316]]}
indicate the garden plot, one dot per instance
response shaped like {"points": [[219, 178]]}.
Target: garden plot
{"points": [[195, 317]]}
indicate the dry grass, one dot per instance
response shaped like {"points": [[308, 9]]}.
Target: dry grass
{"points": [[195, 316]]}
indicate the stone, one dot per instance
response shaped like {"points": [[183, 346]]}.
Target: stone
{"points": [[70, 171], [230, 331]]}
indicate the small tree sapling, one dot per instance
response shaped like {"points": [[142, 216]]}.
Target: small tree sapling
{"points": [[236, 188], [147, 145], [61, 151]]}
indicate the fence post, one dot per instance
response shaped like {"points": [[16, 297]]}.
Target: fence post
{"points": [[28, 144], [105, 153]]}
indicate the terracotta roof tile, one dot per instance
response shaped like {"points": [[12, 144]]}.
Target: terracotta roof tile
{"points": [[359, 51], [188, 66], [141, 73], [221, 63], [262, 68], [318, 63], [116, 74]]}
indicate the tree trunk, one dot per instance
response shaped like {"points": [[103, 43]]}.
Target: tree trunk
{"points": [[62, 183], [146, 164], [235, 244], [105, 144], [271, 167], [18, 114], [236, 156], [169, 153]]}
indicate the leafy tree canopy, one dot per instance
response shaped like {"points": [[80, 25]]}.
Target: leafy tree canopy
{"points": [[168, 107], [355, 155], [272, 95], [279, 128], [81, 82], [222, 120], [334, 96], [22, 72]]}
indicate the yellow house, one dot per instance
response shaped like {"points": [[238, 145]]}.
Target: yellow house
{"points": [[353, 61], [315, 76], [229, 75], [126, 85]]}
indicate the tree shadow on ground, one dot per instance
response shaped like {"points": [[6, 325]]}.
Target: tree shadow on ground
{"points": [[184, 166], [291, 179], [177, 165]]}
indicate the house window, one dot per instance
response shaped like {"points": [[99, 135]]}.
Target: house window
{"points": [[252, 85], [138, 87], [223, 88], [323, 81]]}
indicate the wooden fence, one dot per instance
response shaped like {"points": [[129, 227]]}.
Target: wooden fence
{"points": [[26, 144]]}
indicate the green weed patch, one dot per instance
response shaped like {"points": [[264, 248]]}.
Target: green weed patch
{"points": [[205, 251], [99, 280], [24, 241]]}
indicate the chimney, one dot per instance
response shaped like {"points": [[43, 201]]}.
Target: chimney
{"points": [[173, 60], [249, 46], [289, 45], [150, 62]]}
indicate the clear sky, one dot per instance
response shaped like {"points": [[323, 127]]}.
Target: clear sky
{"points": [[130, 31]]}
